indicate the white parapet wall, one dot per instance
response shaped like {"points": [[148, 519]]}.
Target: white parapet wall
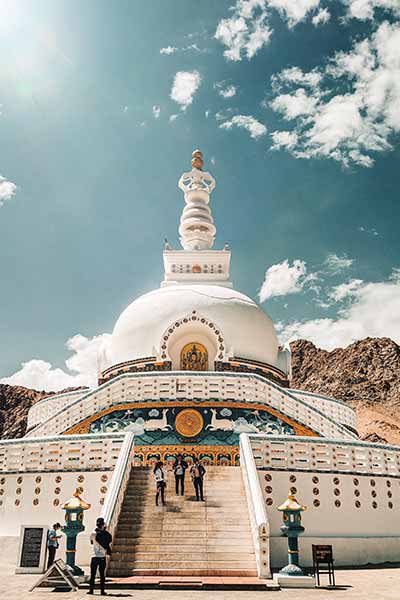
{"points": [[38, 475], [127, 389], [351, 490], [42, 410]]}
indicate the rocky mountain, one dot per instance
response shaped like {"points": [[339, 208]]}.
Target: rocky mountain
{"points": [[366, 375], [15, 401]]}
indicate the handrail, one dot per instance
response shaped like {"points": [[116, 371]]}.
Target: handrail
{"points": [[119, 481], [258, 514]]}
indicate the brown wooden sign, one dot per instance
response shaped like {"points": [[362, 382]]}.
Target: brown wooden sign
{"points": [[322, 553]]}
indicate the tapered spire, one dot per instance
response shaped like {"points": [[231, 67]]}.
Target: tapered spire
{"points": [[197, 229]]}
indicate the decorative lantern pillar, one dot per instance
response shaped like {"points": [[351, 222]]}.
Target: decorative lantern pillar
{"points": [[291, 529], [74, 508]]}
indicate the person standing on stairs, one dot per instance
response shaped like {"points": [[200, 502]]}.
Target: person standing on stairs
{"points": [[100, 540], [179, 470], [197, 472], [161, 482]]}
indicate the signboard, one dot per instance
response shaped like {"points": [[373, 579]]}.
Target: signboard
{"points": [[32, 549], [322, 553], [58, 576]]}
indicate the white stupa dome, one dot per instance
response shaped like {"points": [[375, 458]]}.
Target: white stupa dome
{"points": [[195, 312], [220, 313]]}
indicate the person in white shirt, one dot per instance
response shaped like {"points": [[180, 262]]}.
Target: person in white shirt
{"points": [[100, 540], [161, 482]]}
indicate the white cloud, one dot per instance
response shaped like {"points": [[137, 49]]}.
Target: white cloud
{"points": [[371, 231], [168, 50], [282, 279], [345, 290], [184, 87], [246, 32], [156, 111], [173, 118], [294, 11], [81, 367], [249, 123], [373, 312], [321, 17], [283, 139], [364, 9], [347, 126], [294, 105], [248, 28], [7, 190], [336, 263], [191, 48], [225, 90]]}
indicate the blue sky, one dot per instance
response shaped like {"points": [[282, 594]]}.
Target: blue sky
{"points": [[296, 107]]}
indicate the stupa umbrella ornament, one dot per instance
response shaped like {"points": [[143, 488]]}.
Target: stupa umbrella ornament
{"points": [[197, 229], [74, 509], [291, 529]]}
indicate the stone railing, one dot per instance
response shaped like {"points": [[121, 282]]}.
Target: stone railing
{"points": [[119, 482], [47, 407], [336, 409], [66, 453], [258, 514], [180, 385], [327, 456]]}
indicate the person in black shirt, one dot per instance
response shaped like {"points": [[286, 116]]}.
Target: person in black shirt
{"points": [[179, 469], [100, 540], [197, 472]]}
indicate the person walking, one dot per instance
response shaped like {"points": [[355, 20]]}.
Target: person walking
{"points": [[100, 540], [161, 482], [197, 472], [179, 470], [52, 543]]}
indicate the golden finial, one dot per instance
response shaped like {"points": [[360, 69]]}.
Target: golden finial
{"points": [[197, 160]]}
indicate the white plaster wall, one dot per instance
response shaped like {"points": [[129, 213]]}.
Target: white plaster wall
{"points": [[45, 513], [358, 535], [346, 552]]}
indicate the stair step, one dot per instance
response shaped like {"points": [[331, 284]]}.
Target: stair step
{"points": [[186, 537], [194, 572], [180, 548]]}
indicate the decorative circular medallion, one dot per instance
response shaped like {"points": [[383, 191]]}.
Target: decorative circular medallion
{"points": [[189, 422]]}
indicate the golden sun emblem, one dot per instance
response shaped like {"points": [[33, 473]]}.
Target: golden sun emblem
{"points": [[189, 422]]}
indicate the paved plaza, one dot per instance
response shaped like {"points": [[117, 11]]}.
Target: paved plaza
{"points": [[360, 584]]}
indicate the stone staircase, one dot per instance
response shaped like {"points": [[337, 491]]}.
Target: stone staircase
{"points": [[185, 537]]}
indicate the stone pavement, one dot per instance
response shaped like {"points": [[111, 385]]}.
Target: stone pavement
{"points": [[360, 584]]}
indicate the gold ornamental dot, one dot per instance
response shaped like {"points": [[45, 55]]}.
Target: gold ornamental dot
{"points": [[103, 489], [189, 422], [104, 478]]}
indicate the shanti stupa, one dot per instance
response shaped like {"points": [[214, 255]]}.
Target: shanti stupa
{"points": [[195, 368]]}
